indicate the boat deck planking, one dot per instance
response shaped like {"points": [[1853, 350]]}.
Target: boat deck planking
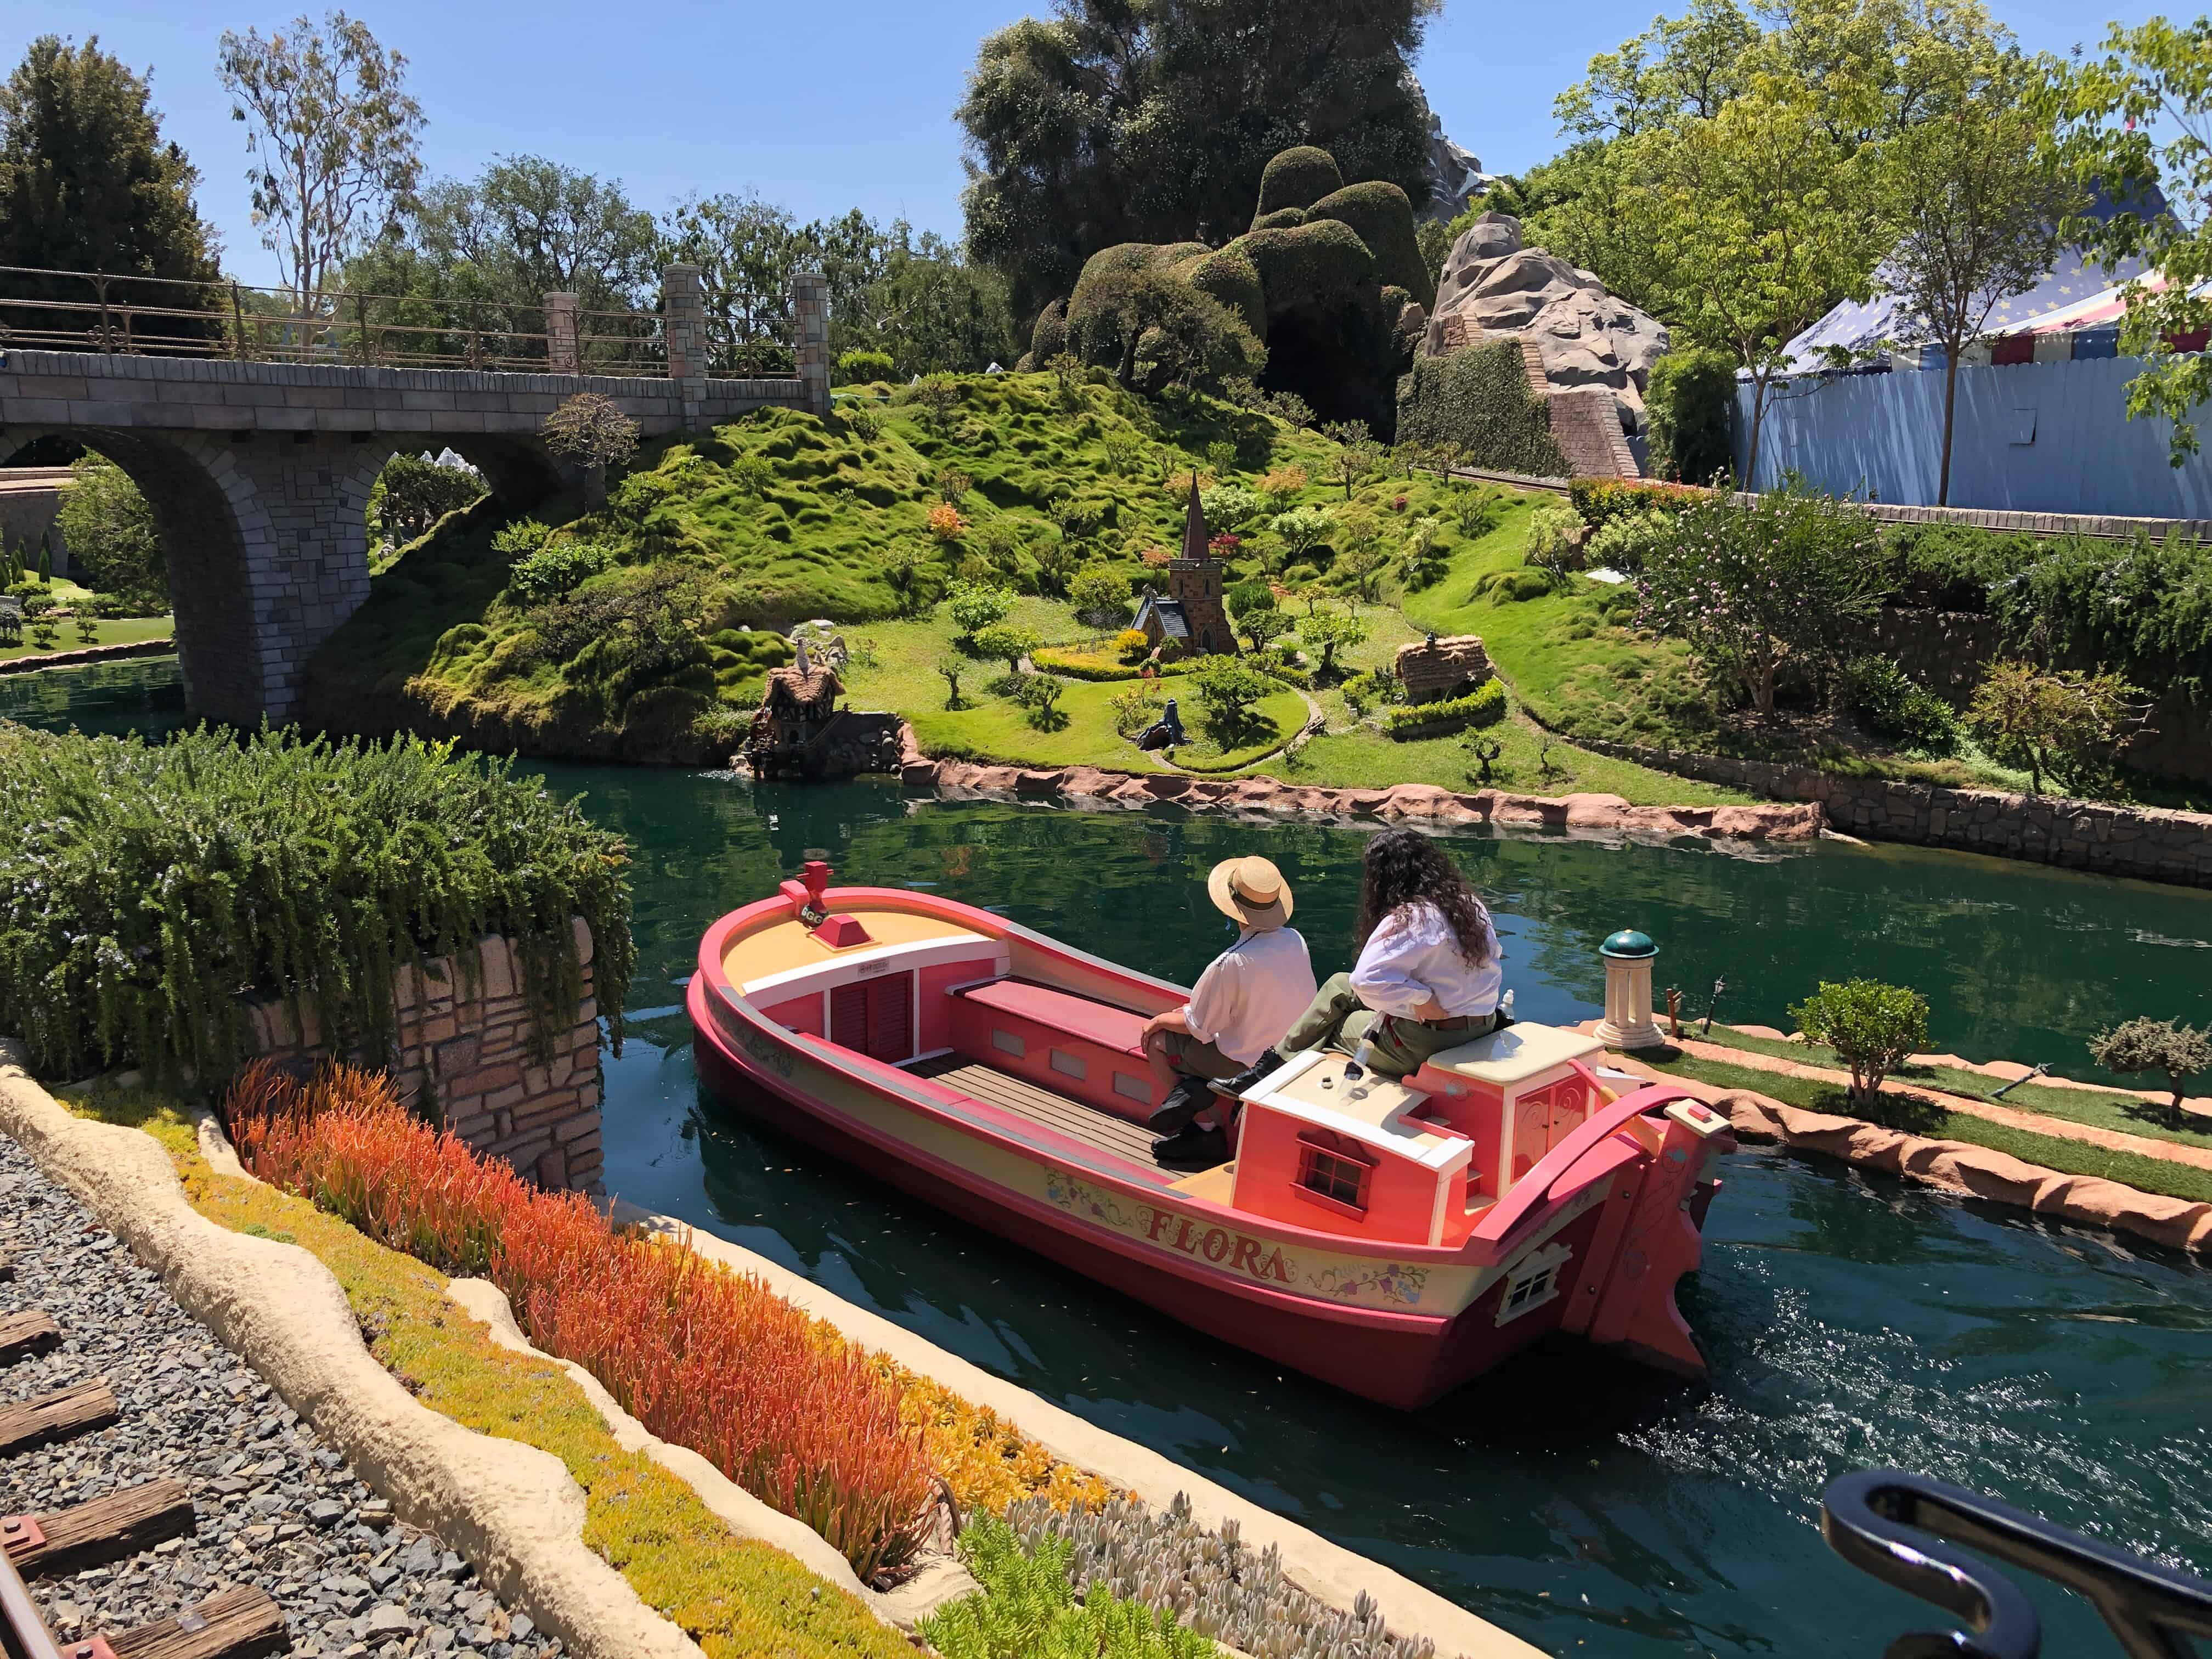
{"points": [[1094, 1128]]}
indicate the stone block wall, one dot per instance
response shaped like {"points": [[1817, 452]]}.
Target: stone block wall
{"points": [[467, 1051], [2146, 842]]}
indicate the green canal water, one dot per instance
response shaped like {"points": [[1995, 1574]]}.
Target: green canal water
{"points": [[1587, 1506]]}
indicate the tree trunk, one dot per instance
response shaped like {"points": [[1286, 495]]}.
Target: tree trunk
{"points": [[1758, 419], [1950, 404]]}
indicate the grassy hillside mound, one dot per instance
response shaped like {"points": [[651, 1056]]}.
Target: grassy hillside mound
{"points": [[621, 633]]}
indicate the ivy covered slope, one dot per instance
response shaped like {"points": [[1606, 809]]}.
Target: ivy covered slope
{"points": [[619, 634], [144, 888]]}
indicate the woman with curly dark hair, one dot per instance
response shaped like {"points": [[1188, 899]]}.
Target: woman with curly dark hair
{"points": [[1429, 972]]}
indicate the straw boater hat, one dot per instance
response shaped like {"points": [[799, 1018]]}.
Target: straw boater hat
{"points": [[1251, 891]]}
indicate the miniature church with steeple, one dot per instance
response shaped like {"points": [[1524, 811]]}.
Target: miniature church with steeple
{"points": [[1191, 615]]}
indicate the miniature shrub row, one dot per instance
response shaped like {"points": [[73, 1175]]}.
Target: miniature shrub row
{"points": [[736, 1597], [1097, 665], [1484, 705], [146, 885], [702, 1357]]}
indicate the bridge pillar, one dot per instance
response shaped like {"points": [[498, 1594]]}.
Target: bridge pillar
{"points": [[683, 316], [563, 350], [810, 337]]}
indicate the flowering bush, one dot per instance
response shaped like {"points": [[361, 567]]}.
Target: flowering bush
{"points": [[702, 1357], [1281, 484], [1131, 643], [1156, 558], [1796, 575], [946, 522]]}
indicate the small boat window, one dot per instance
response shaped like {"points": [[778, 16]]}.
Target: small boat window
{"points": [[1007, 1042], [1532, 1282], [1067, 1064], [1336, 1168], [1135, 1088]]}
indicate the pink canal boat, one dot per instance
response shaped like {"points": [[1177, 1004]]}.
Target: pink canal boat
{"points": [[1394, 1239]]}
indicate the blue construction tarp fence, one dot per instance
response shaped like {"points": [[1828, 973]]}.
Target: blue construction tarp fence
{"points": [[2029, 437]]}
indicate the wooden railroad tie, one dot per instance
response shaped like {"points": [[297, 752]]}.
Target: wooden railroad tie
{"points": [[23, 1335], [94, 1533], [57, 1416], [241, 1622]]}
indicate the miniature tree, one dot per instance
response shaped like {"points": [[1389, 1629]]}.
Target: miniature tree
{"points": [[589, 431], [902, 567], [974, 607], [1874, 1027], [1100, 596], [2046, 721], [88, 631], [43, 635], [951, 668], [1007, 643], [952, 485], [2179, 1052], [46, 556], [1329, 632], [1221, 456], [1039, 696], [1483, 753]]}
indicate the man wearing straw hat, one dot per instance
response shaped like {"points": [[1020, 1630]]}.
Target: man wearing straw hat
{"points": [[1247, 998]]}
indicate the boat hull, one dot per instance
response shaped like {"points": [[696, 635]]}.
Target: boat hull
{"points": [[1401, 1360]]}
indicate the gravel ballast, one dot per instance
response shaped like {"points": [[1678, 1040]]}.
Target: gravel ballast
{"points": [[277, 1506]]}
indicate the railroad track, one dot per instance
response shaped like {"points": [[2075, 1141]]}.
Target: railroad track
{"points": [[239, 1622]]}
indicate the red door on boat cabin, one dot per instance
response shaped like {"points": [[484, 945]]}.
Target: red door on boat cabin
{"points": [[875, 1017], [1545, 1116]]}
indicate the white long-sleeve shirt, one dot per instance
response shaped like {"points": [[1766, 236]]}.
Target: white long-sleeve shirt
{"points": [[1413, 956], [1251, 994]]}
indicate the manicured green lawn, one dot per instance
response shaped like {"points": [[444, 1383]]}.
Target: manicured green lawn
{"points": [[998, 729], [1925, 1118], [2124, 1113], [128, 630]]}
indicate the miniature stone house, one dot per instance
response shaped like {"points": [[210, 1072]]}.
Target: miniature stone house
{"points": [[799, 731], [1191, 615], [1435, 668]]}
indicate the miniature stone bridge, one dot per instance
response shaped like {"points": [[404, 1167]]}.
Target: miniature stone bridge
{"points": [[259, 473]]}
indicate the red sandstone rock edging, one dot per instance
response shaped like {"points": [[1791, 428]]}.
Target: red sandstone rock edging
{"points": [[84, 653], [1418, 802], [1955, 1166]]}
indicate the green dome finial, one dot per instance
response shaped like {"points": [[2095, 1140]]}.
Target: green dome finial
{"points": [[1628, 943]]}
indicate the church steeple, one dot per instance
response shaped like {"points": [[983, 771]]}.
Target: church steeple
{"points": [[1193, 524]]}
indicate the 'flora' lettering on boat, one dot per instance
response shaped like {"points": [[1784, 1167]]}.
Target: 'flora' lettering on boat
{"points": [[1216, 1242]]}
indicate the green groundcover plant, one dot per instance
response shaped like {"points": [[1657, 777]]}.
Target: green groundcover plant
{"points": [[145, 887]]}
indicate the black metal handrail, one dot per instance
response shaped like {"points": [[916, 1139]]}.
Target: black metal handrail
{"points": [[1904, 1530]]}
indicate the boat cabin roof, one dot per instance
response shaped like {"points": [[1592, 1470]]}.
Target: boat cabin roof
{"points": [[786, 945], [1515, 1055], [1373, 1109]]}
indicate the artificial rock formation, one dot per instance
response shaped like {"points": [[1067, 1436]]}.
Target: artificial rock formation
{"points": [[1494, 287]]}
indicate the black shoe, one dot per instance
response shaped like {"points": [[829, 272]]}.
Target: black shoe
{"points": [[1184, 1102], [1195, 1149], [1235, 1088]]}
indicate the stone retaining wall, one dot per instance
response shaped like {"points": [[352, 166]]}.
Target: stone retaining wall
{"points": [[79, 656], [467, 1051], [2146, 842]]}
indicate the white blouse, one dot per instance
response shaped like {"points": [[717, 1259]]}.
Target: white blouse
{"points": [[1413, 955]]}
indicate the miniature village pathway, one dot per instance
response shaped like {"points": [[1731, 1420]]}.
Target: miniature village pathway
{"points": [[274, 1506]]}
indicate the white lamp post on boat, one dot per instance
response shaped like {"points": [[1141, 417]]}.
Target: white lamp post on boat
{"points": [[1628, 1022]]}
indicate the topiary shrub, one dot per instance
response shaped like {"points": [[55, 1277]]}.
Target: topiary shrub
{"points": [[1874, 1027], [1477, 400], [1484, 705], [857, 367], [556, 569], [1297, 178], [1691, 405], [1049, 337], [1384, 219]]}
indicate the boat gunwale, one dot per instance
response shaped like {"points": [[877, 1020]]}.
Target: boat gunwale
{"points": [[1505, 1228]]}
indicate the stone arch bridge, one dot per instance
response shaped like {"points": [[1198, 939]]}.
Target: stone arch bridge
{"points": [[259, 473]]}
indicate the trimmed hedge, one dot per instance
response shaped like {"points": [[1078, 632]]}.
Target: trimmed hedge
{"points": [[1484, 705], [1297, 178], [1379, 211], [1478, 398], [1093, 665], [1599, 501]]}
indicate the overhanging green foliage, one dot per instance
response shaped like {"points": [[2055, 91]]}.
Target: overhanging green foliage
{"points": [[1478, 400], [147, 886]]}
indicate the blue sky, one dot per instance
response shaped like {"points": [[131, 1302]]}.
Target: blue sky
{"points": [[821, 105]]}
